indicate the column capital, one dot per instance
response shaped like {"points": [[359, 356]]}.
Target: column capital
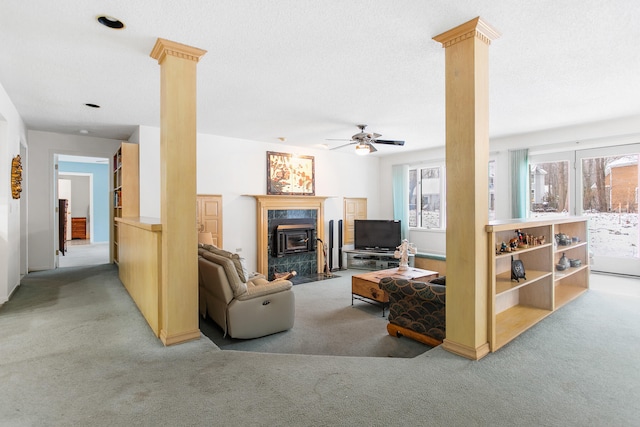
{"points": [[165, 47], [474, 28]]}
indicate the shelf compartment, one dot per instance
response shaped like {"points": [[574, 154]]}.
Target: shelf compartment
{"points": [[560, 248], [567, 293], [514, 321], [505, 284], [568, 272], [515, 307]]}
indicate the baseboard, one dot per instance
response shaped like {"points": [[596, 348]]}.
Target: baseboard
{"points": [[466, 351], [179, 338]]}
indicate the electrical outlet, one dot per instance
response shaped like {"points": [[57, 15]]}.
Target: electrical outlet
{"points": [[238, 249]]}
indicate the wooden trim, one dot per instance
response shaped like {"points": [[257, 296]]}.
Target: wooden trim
{"points": [[464, 351], [275, 202], [164, 47], [474, 28], [398, 331], [179, 338]]}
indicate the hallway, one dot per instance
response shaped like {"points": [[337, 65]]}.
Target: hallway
{"points": [[83, 252]]}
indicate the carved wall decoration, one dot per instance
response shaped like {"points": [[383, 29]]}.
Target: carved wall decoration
{"points": [[16, 177]]}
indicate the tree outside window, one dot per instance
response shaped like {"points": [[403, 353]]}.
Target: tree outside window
{"points": [[425, 197], [549, 188]]}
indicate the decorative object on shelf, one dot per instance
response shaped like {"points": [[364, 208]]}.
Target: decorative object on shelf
{"points": [[402, 252], [16, 177], [513, 244], [575, 263], [517, 270], [563, 264], [526, 240], [290, 174], [562, 239]]}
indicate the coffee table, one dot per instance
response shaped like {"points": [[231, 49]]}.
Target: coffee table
{"points": [[365, 287]]}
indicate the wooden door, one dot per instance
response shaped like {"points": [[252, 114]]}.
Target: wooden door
{"points": [[354, 208], [209, 216]]}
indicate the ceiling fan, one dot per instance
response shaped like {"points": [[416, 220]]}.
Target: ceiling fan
{"points": [[364, 141]]}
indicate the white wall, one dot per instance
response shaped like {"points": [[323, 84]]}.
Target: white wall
{"points": [[12, 134], [42, 198], [80, 194], [236, 169]]}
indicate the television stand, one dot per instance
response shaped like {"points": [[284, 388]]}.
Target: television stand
{"points": [[372, 260]]}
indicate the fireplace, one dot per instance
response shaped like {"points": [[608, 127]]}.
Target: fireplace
{"points": [[277, 210], [292, 239]]}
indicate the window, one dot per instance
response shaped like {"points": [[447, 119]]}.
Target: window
{"points": [[426, 190], [549, 188], [492, 190]]}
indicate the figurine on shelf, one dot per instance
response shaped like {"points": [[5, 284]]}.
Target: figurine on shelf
{"points": [[402, 252]]}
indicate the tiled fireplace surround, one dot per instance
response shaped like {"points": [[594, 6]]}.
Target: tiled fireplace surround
{"points": [[305, 263], [273, 209]]}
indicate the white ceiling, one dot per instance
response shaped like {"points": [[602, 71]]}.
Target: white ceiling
{"points": [[311, 70]]}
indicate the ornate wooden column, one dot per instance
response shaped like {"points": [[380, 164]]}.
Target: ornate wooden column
{"points": [[179, 283], [467, 159]]}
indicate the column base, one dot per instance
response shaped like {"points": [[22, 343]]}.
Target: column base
{"points": [[179, 338], [466, 351]]}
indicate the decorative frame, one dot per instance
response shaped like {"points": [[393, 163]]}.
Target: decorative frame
{"points": [[290, 174], [16, 177]]}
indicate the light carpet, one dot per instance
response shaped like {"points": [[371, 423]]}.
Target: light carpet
{"points": [[327, 324], [75, 351]]}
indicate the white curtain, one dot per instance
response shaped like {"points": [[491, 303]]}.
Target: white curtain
{"points": [[400, 178], [519, 164]]}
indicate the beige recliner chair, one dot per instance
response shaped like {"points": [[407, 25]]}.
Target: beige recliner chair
{"points": [[244, 307]]}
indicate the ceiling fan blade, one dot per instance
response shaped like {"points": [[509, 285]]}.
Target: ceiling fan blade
{"points": [[340, 146], [387, 141], [375, 135], [372, 149]]}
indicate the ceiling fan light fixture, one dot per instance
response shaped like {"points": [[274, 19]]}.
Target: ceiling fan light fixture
{"points": [[363, 149]]}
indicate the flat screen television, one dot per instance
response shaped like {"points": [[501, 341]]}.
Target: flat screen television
{"points": [[377, 234]]}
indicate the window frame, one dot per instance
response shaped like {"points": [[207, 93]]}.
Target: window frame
{"points": [[442, 193]]}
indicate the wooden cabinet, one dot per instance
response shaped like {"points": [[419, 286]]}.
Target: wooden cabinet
{"points": [[126, 188], [79, 228], [516, 305]]}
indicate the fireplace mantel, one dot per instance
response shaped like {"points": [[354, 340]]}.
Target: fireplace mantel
{"points": [[265, 203]]}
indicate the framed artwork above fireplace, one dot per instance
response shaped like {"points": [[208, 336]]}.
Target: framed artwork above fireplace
{"points": [[290, 174]]}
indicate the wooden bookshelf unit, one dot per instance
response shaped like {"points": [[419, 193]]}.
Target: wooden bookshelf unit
{"points": [[515, 306], [126, 189]]}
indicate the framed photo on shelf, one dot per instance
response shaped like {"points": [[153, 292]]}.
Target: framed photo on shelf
{"points": [[290, 174]]}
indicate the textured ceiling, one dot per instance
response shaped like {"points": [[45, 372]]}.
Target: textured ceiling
{"points": [[311, 70]]}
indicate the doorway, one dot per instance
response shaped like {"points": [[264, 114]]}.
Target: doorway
{"points": [[209, 218], [84, 183], [607, 193], [353, 208]]}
